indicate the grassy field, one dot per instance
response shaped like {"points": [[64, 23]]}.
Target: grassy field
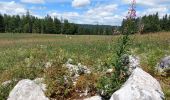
{"points": [[20, 51]]}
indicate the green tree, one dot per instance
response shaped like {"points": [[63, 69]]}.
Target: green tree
{"points": [[2, 25], [57, 25], [49, 25], [66, 27], [164, 23], [36, 27]]}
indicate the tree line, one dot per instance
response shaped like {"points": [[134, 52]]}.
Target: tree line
{"points": [[147, 24], [48, 25]]}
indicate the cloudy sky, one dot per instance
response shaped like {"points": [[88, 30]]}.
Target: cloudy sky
{"points": [[106, 12]]}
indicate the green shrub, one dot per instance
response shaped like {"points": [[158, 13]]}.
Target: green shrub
{"points": [[5, 90]]}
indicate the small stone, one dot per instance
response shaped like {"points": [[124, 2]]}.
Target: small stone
{"points": [[109, 71], [48, 65], [6, 83]]}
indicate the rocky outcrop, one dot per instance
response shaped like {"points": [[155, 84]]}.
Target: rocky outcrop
{"points": [[139, 86], [76, 70], [27, 90], [163, 66]]}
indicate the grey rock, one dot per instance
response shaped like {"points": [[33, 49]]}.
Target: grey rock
{"points": [[27, 90], [40, 82], [134, 62], [164, 65], [94, 98], [139, 86], [76, 70]]}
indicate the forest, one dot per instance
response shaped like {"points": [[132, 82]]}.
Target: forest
{"points": [[149, 24], [48, 25]]}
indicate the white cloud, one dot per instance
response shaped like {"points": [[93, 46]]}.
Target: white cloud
{"points": [[33, 1], [80, 3], [102, 10], [38, 8], [161, 11], [12, 8], [151, 7], [66, 15], [103, 14], [142, 2]]}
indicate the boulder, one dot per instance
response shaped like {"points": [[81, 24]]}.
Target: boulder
{"points": [[134, 62], [163, 66], [27, 90], [139, 86], [40, 82], [94, 98]]}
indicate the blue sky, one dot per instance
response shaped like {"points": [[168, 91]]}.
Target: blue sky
{"points": [[106, 12]]}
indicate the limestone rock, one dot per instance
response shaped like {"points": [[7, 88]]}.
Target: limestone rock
{"points": [[139, 86], [40, 82], [109, 71], [76, 70], [94, 98], [163, 66], [134, 62], [27, 90]]}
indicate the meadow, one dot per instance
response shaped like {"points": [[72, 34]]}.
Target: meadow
{"points": [[25, 55]]}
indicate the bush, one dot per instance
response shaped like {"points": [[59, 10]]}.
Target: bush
{"points": [[59, 84], [87, 81], [5, 90]]}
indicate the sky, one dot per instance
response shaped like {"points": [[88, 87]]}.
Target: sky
{"points": [[103, 12]]}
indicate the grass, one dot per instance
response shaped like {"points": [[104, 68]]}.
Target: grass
{"points": [[25, 55]]}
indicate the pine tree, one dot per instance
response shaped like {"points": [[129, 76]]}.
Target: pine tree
{"points": [[2, 25], [66, 27], [57, 25], [49, 25]]}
